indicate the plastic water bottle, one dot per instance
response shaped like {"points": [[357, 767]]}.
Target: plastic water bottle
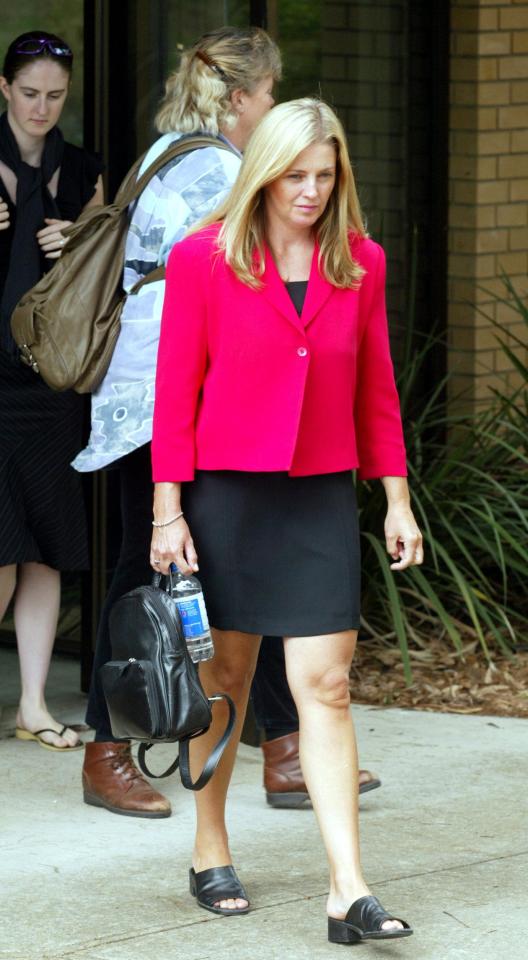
{"points": [[188, 594]]}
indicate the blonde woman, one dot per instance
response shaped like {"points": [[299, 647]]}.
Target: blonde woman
{"points": [[277, 305], [223, 87]]}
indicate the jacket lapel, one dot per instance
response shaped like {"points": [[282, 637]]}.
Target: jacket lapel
{"points": [[276, 293], [318, 291]]}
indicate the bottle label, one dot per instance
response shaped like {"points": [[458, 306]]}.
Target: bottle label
{"points": [[193, 615]]}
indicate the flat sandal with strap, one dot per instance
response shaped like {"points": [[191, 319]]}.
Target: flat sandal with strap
{"points": [[22, 734], [217, 883], [364, 922]]}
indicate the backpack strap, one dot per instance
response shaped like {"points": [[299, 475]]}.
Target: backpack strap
{"points": [[183, 760], [216, 753], [142, 750]]}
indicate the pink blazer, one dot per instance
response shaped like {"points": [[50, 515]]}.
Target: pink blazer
{"points": [[244, 383]]}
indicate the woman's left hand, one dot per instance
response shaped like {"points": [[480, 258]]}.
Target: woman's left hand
{"points": [[403, 538], [51, 239]]}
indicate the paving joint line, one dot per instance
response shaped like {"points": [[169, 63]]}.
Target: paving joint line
{"points": [[140, 935], [460, 866]]}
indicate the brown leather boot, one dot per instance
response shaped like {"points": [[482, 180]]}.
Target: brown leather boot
{"points": [[112, 780], [283, 779]]}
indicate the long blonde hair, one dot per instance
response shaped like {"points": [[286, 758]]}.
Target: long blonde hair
{"points": [[280, 137], [197, 96]]}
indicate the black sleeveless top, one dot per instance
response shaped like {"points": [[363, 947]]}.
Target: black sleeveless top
{"points": [[297, 290], [78, 176]]}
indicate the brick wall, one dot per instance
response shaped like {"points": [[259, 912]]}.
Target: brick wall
{"points": [[378, 70], [362, 69], [375, 61], [488, 172]]}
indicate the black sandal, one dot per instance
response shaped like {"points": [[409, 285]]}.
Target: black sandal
{"points": [[217, 883], [363, 922]]}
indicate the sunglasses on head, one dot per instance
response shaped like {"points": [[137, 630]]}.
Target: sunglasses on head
{"points": [[36, 45]]}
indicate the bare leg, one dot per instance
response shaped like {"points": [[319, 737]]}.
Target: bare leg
{"points": [[37, 603], [318, 674], [230, 671]]}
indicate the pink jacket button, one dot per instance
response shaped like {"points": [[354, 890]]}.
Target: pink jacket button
{"points": [[302, 351]]}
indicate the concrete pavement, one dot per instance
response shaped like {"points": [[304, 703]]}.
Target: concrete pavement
{"points": [[444, 841]]}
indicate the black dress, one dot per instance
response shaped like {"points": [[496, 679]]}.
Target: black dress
{"points": [[278, 555], [41, 506]]}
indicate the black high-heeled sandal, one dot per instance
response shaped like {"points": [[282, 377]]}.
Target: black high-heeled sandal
{"points": [[217, 883], [363, 922]]}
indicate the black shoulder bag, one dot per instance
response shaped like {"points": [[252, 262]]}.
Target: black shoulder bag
{"points": [[152, 687]]}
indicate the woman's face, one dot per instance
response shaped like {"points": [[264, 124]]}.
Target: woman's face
{"points": [[299, 197], [251, 107], [36, 97]]}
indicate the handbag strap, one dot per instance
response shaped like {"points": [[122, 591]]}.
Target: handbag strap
{"points": [[183, 760], [157, 274], [131, 187]]}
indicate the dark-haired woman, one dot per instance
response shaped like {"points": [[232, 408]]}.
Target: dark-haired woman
{"points": [[45, 183]]}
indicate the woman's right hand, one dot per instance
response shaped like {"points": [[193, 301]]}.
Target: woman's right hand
{"points": [[4, 215], [173, 544], [50, 238]]}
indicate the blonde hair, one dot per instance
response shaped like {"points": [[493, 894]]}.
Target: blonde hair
{"points": [[197, 96], [280, 137]]}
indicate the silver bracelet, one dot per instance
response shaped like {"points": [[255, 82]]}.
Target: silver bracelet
{"points": [[166, 523]]}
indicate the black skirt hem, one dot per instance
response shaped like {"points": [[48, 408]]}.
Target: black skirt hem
{"points": [[267, 628], [63, 566]]}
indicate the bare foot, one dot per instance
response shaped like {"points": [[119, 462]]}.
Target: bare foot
{"points": [[237, 904], [41, 719], [392, 925]]}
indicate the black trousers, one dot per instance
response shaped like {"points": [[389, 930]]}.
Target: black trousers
{"points": [[273, 704]]}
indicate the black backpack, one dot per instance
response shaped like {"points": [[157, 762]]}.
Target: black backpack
{"points": [[152, 687]]}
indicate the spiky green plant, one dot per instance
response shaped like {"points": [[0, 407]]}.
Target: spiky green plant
{"points": [[470, 496]]}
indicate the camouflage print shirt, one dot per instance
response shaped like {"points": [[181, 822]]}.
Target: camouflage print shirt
{"points": [[180, 194]]}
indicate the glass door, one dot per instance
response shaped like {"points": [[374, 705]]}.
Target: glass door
{"points": [[66, 20]]}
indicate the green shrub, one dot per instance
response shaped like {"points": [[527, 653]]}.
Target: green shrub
{"points": [[468, 478]]}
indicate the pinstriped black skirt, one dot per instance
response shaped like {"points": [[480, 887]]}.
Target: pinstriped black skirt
{"points": [[41, 502], [278, 555]]}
